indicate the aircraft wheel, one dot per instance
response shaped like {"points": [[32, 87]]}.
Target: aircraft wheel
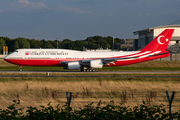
{"points": [[20, 69], [93, 70], [87, 70]]}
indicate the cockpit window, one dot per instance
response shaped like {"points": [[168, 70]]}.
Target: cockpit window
{"points": [[16, 51]]}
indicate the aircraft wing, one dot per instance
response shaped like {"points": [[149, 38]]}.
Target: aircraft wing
{"points": [[104, 60], [112, 60]]}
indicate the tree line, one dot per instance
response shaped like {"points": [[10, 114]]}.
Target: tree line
{"points": [[94, 42]]}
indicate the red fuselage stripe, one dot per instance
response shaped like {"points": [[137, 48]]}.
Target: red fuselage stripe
{"points": [[55, 62]]}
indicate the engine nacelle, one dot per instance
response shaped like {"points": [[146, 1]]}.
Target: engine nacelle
{"points": [[73, 66], [96, 64]]}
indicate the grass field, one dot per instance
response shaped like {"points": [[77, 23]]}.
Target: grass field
{"points": [[130, 92]]}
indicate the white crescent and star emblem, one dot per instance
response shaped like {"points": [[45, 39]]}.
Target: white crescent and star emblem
{"points": [[158, 40]]}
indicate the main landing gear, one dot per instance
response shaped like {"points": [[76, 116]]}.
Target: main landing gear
{"points": [[84, 69], [20, 68]]}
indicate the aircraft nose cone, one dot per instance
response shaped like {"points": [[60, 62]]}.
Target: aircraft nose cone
{"points": [[5, 58]]}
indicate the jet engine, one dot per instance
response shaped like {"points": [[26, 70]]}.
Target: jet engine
{"points": [[96, 64], [73, 66]]}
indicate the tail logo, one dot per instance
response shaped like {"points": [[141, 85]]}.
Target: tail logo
{"points": [[162, 36]]}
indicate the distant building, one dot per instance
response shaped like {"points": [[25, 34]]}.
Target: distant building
{"points": [[147, 35], [126, 45]]}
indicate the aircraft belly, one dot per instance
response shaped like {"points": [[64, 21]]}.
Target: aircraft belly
{"points": [[34, 62]]}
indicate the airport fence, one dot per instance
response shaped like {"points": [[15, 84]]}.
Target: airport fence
{"points": [[80, 99]]}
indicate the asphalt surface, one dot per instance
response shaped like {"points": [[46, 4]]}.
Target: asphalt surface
{"points": [[98, 72], [92, 76], [149, 74]]}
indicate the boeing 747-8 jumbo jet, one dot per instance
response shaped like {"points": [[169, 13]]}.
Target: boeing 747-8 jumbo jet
{"points": [[89, 61]]}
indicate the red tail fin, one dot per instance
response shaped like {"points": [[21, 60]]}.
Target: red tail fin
{"points": [[161, 42]]}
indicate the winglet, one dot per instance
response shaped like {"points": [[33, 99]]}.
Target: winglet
{"points": [[161, 42]]}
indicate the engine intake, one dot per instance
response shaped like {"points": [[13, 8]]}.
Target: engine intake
{"points": [[96, 64], [73, 66]]}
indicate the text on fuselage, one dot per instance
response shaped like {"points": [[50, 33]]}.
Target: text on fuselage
{"points": [[45, 53]]}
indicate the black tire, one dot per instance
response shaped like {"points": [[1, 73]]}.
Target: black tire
{"points": [[20, 69]]}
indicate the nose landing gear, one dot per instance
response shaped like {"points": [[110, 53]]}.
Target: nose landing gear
{"points": [[20, 68]]}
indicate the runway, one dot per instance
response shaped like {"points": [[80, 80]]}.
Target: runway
{"points": [[78, 74], [97, 72], [91, 76]]}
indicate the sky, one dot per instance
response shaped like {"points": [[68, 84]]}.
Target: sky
{"points": [[79, 19]]}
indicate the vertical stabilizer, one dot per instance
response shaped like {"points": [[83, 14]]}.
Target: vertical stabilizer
{"points": [[160, 43]]}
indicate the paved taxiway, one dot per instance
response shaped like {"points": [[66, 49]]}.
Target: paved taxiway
{"points": [[147, 74], [127, 76], [98, 72]]}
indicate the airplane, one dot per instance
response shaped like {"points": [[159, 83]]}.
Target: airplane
{"points": [[89, 61]]}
